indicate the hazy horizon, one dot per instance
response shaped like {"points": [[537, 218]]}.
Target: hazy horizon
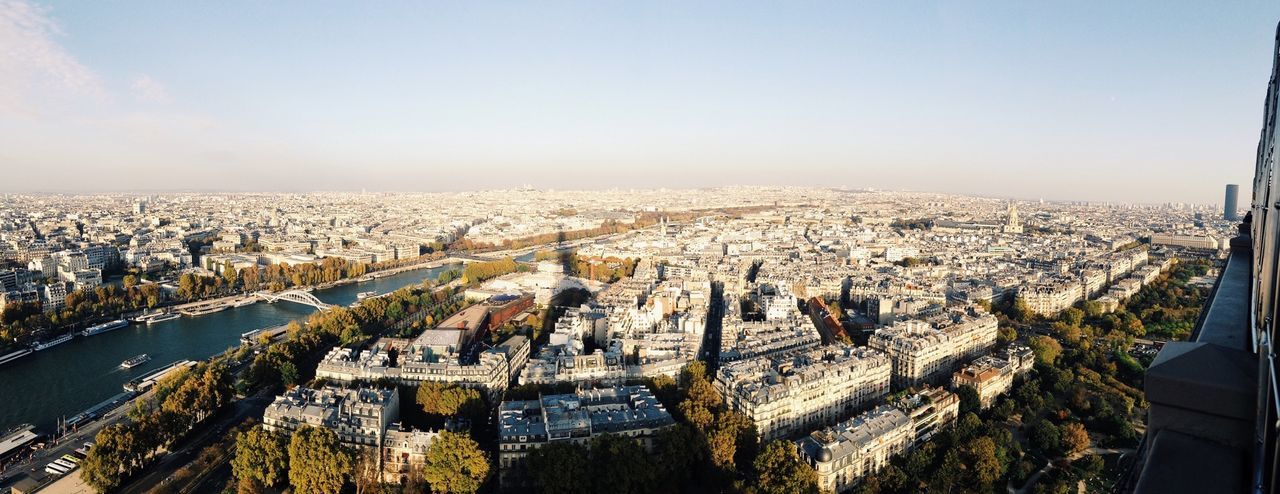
{"points": [[1150, 102]]}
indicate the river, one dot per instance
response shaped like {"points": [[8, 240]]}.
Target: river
{"points": [[69, 378]]}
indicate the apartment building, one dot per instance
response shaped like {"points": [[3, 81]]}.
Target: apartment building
{"points": [[928, 350], [359, 416], [843, 453], [992, 375], [526, 425], [791, 393]]}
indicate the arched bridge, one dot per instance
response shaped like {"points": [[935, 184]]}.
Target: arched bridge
{"points": [[295, 296]]}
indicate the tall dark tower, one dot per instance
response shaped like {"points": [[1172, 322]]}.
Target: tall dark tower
{"points": [[1229, 203]]}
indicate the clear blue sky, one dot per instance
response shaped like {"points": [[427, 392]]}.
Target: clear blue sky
{"points": [[1127, 101]]}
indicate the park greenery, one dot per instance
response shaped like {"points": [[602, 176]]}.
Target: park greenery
{"points": [[312, 460], [406, 311], [607, 269], [1085, 391], [480, 271]]}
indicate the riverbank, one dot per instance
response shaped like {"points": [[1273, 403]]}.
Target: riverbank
{"points": [[70, 378], [197, 308]]}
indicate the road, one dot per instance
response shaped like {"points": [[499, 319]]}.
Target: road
{"points": [[34, 465], [189, 448], [715, 324]]}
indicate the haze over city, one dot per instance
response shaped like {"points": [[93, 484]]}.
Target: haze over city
{"points": [[1137, 102], [310, 247]]}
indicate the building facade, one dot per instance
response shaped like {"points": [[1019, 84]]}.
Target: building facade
{"points": [[792, 393], [844, 453], [929, 350], [359, 416]]}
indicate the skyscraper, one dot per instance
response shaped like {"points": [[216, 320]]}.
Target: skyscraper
{"points": [[1229, 203]]}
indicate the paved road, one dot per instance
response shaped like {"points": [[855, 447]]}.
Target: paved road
{"points": [[189, 448], [34, 465], [715, 324]]}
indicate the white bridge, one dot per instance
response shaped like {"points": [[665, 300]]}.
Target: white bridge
{"points": [[295, 296]]}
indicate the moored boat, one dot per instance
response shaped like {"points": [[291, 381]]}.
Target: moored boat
{"points": [[204, 310], [45, 345], [10, 357], [104, 327], [163, 317]]}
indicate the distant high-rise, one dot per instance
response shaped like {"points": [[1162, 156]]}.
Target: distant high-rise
{"points": [[1229, 203]]}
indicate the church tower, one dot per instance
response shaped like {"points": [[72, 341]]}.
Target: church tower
{"points": [[1013, 225]]}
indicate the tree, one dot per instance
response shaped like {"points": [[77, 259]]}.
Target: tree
{"points": [[1044, 436], [229, 274], [187, 286], [678, 450], [781, 471], [949, 474], [1006, 335], [249, 486], [129, 281], [1092, 308], [109, 460], [1072, 316], [262, 456], [969, 400], [560, 467], [691, 372], [986, 464], [1074, 438], [1046, 349], [449, 399], [455, 464], [288, 374], [318, 463], [626, 465]]}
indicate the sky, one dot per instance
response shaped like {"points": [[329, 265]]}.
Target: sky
{"points": [[1136, 101]]}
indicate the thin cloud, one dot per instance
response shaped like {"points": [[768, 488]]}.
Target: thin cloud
{"points": [[150, 90], [32, 63]]}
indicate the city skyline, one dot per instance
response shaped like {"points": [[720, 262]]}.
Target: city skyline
{"points": [[585, 97]]}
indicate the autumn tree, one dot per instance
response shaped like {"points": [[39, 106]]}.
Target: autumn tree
{"points": [[1074, 437], [1046, 349], [449, 399], [455, 464], [262, 456], [115, 454], [780, 470], [318, 463], [983, 460]]}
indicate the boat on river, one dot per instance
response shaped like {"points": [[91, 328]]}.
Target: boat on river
{"points": [[45, 345], [135, 361], [104, 327]]}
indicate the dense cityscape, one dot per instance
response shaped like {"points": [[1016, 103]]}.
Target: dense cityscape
{"points": [[697, 247], [767, 339]]}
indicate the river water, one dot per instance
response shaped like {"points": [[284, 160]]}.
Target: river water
{"points": [[69, 378]]}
